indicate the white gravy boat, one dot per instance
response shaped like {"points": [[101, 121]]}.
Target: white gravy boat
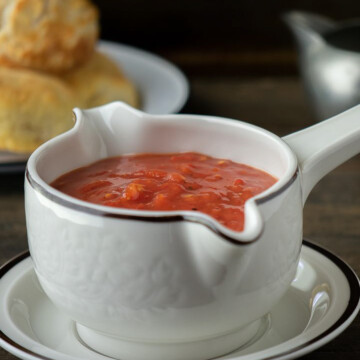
{"points": [[176, 284]]}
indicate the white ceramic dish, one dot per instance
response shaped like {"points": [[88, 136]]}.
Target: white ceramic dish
{"points": [[322, 301], [163, 88], [184, 280]]}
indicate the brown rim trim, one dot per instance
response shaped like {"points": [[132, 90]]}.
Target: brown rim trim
{"points": [[350, 311], [164, 218]]}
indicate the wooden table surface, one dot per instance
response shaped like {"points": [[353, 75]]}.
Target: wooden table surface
{"points": [[332, 212]]}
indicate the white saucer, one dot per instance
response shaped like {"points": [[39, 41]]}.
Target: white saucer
{"points": [[162, 86], [323, 300]]}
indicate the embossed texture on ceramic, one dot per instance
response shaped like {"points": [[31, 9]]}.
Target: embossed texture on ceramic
{"points": [[174, 277], [329, 60]]}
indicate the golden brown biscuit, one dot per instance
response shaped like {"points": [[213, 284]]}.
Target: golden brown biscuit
{"points": [[34, 107], [47, 35], [100, 81]]}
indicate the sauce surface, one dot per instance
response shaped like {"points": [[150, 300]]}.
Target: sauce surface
{"points": [[181, 181]]}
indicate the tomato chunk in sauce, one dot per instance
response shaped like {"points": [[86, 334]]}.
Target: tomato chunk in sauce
{"points": [[179, 181]]}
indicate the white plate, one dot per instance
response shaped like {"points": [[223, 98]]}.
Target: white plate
{"points": [[163, 88], [11, 162], [322, 301]]}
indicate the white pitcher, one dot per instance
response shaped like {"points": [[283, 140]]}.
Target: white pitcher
{"points": [[329, 60]]}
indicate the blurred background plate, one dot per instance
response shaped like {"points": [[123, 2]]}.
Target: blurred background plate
{"points": [[162, 86], [10, 162]]}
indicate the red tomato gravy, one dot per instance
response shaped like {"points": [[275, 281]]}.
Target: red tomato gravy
{"points": [[179, 181]]}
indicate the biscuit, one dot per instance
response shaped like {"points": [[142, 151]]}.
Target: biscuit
{"points": [[34, 107], [47, 35], [100, 81]]}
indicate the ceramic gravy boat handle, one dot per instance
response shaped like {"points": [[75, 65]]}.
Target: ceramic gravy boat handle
{"points": [[324, 146]]}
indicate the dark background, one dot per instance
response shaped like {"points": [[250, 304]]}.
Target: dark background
{"points": [[227, 37]]}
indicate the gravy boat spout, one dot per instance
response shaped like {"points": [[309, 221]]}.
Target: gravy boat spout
{"points": [[169, 283], [308, 28]]}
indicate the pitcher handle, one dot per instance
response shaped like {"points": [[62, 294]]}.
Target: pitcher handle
{"points": [[322, 147]]}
